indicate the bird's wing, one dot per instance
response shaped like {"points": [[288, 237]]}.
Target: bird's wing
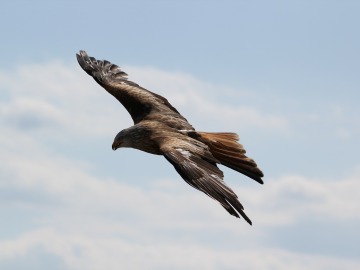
{"points": [[200, 171], [139, 102]]}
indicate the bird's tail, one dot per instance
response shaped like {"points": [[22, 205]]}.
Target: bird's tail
{"points": [[225, 148]]}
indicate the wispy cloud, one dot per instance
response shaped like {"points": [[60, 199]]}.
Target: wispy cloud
{"points": [[87, 221], [55, 93], [79, 252], [91, 221], [196, 98]]}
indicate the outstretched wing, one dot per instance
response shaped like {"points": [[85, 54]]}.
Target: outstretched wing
{"points": [[201, 172], [139, 102]]}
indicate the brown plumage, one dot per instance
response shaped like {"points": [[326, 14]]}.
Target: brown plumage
{"points": [[161, 130]]}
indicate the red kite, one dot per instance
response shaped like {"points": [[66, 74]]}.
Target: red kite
{"points": [[161, 130]]}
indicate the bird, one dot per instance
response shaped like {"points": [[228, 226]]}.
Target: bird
{"points": [[160, 129]]}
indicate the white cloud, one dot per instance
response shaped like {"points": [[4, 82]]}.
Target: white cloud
{"points": [[27, 113], [103, 222], [54, 94], [40, 95], [292, 198], [79, 252], [97, 222], [201, 101], [343, 133]]}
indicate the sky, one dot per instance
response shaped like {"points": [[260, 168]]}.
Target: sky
{"points": [[284, 75]]}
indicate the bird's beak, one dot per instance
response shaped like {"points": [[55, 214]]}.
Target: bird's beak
{"points": [[115, 146]]}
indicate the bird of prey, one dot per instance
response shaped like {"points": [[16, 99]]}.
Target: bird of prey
{"points": [[161, 130]]}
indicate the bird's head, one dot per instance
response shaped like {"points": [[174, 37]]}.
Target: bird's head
{"points": [[133, 137], [120, 140]]}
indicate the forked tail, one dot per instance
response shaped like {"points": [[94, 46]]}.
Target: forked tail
{"points": [[225, 148]]}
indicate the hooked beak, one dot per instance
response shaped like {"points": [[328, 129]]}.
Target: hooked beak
{"points": [[115, 145]]}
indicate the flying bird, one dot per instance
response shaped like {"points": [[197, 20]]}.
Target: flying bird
{"points": [[161, 130]]}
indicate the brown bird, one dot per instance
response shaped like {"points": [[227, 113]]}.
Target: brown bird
{"points": [[161, 130]]}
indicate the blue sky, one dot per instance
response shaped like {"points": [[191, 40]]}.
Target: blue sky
{"points": [[282, 74]]}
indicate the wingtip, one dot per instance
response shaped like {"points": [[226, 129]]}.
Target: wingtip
{"points": [[246, 218], [260, 181], [85, 62], [82, 52], [240, 210]]}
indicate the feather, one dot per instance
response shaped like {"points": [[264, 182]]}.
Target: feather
{"points": [[205, 177], [230, 153]]}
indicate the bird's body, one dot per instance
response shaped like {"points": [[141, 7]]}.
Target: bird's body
{"points": [[161, 130]]}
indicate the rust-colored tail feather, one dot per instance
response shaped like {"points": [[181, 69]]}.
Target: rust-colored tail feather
{"points": [[229, 152]]}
